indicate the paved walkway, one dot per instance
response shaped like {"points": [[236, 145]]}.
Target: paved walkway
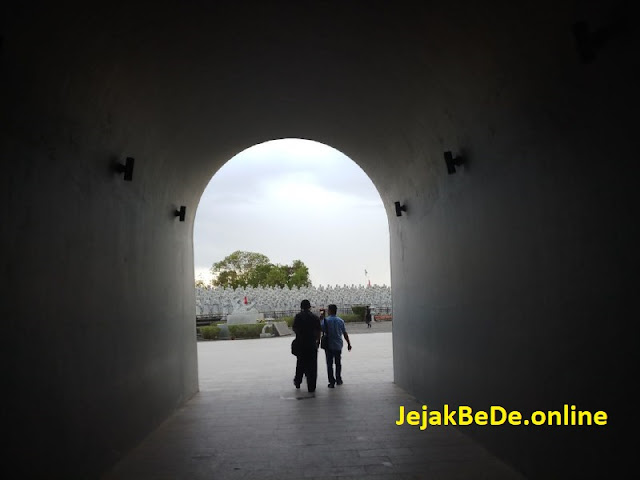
{"points": [[249, 422]]}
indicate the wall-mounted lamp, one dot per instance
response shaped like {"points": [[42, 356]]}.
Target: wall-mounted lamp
{"points": [[126, 168], [587, 42], [452, 162], [181, 213], [400, 209]]}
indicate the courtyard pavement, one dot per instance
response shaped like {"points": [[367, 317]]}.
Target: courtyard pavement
{"points": [[249, 422]]}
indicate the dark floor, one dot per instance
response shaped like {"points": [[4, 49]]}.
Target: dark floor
{"points": [[249, 422]]}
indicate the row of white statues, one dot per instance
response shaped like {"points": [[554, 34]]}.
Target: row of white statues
{"points": [[221, 301]]}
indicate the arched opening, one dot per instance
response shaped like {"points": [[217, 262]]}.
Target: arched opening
{"points": [[267, 193], [291, 200]]}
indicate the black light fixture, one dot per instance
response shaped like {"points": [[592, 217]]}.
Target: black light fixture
{"points": [[588, 41], [181, 213], [126, 168], [400, 209], [452, 162]]}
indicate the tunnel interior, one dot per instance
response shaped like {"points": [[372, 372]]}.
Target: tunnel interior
{"points": [[513, 278]]}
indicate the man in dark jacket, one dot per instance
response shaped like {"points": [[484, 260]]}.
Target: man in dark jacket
{"points": [[306, 326]]}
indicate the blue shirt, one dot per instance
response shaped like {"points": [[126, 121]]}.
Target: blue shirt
{"points": [[335, 330]]}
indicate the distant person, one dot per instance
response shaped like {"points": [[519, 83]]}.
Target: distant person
{"points": [[334, 328], [306, 326], [367, 317]]}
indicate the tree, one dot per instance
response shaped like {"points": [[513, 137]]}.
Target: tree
{"points": [[241, 262], [236, 270], [278, 276], [299, 275], [260, 275], [241, 269], [228, 278]]}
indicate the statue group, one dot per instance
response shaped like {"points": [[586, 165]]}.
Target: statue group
{"points": [[221, 301]]}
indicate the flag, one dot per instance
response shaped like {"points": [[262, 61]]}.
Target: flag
{"points": [[245, 300], [365, 272]]}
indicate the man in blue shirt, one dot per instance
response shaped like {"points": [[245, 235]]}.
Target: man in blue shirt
{"points": [[334, 329]]}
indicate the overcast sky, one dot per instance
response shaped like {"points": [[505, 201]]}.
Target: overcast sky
{"points": [[295, 200]]}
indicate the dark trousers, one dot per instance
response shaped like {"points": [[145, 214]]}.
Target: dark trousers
{"points": [[334, 355], [307, 364]]}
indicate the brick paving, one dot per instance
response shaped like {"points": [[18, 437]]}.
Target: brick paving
{"points": [[249, 422]]}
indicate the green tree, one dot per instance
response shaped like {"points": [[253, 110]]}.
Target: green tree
{"points": [[228, 278], [236, 269], [299, 275], [260, 275], [278, 276], [241, 269]]}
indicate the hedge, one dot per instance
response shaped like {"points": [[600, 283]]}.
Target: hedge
{"points": [[210, 332], [351, 317], [347, 317], [246, 331], [289, 320], [360, 311]]}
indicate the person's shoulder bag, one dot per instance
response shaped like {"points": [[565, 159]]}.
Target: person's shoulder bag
{"points": [[325, 335]]}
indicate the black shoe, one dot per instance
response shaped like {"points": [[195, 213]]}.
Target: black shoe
{"points": [[339, 382], [296, 384], [331, 385]]}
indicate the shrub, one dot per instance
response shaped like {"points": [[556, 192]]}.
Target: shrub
{"points": [[246, 331], [289, 320], [210, 332], [350, 317], [359, 310]]}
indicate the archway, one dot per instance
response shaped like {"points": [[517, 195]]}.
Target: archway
{"points": [[294, 200]]}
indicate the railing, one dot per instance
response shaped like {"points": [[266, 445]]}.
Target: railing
{"points": [[204, 320], [383, 311], [292, 313]]}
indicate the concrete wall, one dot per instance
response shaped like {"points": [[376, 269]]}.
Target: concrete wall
{"points": [[517, 271], [512, 278]]}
